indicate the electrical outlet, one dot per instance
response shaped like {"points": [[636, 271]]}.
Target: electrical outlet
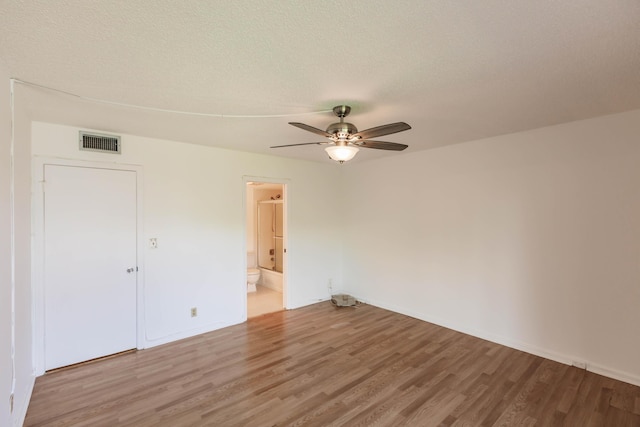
{"points": [[194, 311], [330, 285], [153, 243]]}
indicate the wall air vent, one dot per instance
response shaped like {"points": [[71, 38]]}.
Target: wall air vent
{"points": [[101, 143]]}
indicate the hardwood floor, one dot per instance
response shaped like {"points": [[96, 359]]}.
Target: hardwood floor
{"points": [[327, 366]]}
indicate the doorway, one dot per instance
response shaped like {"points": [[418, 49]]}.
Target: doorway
{"points": [[266, 246]]}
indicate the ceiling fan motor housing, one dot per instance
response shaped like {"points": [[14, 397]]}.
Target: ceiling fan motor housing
{"points": [[342, 130]]}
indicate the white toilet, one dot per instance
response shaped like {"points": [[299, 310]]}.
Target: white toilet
{"points": [[253, 273]]}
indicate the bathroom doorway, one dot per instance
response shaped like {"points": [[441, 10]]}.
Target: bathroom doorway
{"points": [[266, 232]]}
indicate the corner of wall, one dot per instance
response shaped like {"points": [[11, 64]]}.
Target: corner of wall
{"points": [[16, 363]]}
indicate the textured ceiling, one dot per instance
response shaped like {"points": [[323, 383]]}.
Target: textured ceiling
{"points": [[455, 71]]}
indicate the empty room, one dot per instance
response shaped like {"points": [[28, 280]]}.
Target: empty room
{"points": [[263, 213]]}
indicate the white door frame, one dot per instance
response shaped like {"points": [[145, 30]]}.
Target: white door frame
{"points": [[286, 190], [37, 250]]}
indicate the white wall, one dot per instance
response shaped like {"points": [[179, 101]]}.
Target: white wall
{"points": [[6, 370], [16, 370], [194, 206], [25, 377], [531, 239]]}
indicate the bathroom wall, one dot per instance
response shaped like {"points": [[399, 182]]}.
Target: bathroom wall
{"points": [[251, 226], [193, 205], [267, 194], [530, 239], [255, 194]]}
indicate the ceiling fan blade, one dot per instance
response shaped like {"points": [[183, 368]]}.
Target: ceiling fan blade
{"points": [[310, 129], [383, 130], [293, 145], [381, 145]]}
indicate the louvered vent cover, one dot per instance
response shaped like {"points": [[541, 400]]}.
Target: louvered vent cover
{"points": [[97, 142]]}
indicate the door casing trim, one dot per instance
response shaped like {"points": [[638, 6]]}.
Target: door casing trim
{"points": [[37, 250]]}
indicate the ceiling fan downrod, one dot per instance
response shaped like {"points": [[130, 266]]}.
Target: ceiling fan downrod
{"points": [[341, 130], [341, 111]]}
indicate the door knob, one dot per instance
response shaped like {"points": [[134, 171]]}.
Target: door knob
{"points": [[130, 270]]}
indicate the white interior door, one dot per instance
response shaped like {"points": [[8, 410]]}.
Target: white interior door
{"points": [[89, 244]]}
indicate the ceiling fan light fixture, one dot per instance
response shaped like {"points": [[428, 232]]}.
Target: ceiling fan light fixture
{"points": [[344, 139], [342, 153]]}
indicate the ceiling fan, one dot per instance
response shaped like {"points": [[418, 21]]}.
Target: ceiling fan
{"points": [[344, 140]]}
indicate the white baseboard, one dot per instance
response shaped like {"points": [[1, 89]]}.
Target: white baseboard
{"points": [[309, 302], [615, 374], [189, 333], [527, 348]]}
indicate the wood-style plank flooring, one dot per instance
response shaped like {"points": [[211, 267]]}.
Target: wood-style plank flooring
{"points": [[327, 366]]}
